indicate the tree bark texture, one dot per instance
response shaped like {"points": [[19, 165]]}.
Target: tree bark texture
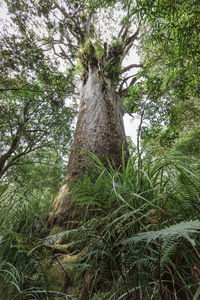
{"points": [[100, 130]]}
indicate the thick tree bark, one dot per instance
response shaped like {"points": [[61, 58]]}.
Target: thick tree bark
{"points": [[100, 130]]}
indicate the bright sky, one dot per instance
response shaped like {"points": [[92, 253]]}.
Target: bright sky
{"points": [[130, 124]]}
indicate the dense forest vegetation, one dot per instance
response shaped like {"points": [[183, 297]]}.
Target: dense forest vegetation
{"points": [[123, 221]]}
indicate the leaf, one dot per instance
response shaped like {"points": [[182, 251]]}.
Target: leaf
{"points": [[182, 229]]}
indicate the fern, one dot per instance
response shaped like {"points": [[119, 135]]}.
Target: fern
{"points": [[168, 248], [181, 230], [129, 252], [188, 188]]}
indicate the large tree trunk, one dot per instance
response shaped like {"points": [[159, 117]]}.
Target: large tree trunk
{"points": [[100, 130]]}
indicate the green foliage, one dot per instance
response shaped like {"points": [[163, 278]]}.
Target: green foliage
{"points": [[181, 35], [93, 5], [95, 191], [99, 50], [24, 220], [132, 102], [112, 71], [170, 53], [24, 261], [38, 173], [138, 235], [139, 238], [19, 285], [189, 144], [26, 194], [146, 98], [180, 230], [33, 111], [114, 186], [32, 120], [25, 211]]}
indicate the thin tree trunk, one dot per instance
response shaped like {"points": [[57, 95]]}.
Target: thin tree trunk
{"points": [[100, 130]]}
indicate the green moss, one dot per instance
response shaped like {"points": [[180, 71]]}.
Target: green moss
{"points": [[56, 229], [65, 273], [87, 54]]}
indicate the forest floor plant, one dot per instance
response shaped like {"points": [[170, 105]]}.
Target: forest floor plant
{"points": [[139, 238], [24, 264], [141, 243]]}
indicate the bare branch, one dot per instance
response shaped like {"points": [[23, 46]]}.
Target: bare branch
{"points": [[12, 148], [130, 40], [140, 125], [124, 92], [131, 67], [134, 36], [16, 158], [26, 117], [71, 18], [132, 81], [64, 54], [121, 30], [124, 80], [63, 11], [124, 29]]}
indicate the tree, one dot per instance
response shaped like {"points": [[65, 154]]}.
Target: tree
{"points": [[30, 123], [33, 110], [70, 30], [170, 53]]}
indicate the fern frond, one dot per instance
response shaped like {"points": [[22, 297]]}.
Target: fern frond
{"points": [[180, 230]]}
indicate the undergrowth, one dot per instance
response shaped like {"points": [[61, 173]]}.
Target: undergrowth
{"points": [[24, 261], [139, 237]]}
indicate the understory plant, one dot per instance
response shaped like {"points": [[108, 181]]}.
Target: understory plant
{"points": [[24, 260], [141, 229], [138, 239]]}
